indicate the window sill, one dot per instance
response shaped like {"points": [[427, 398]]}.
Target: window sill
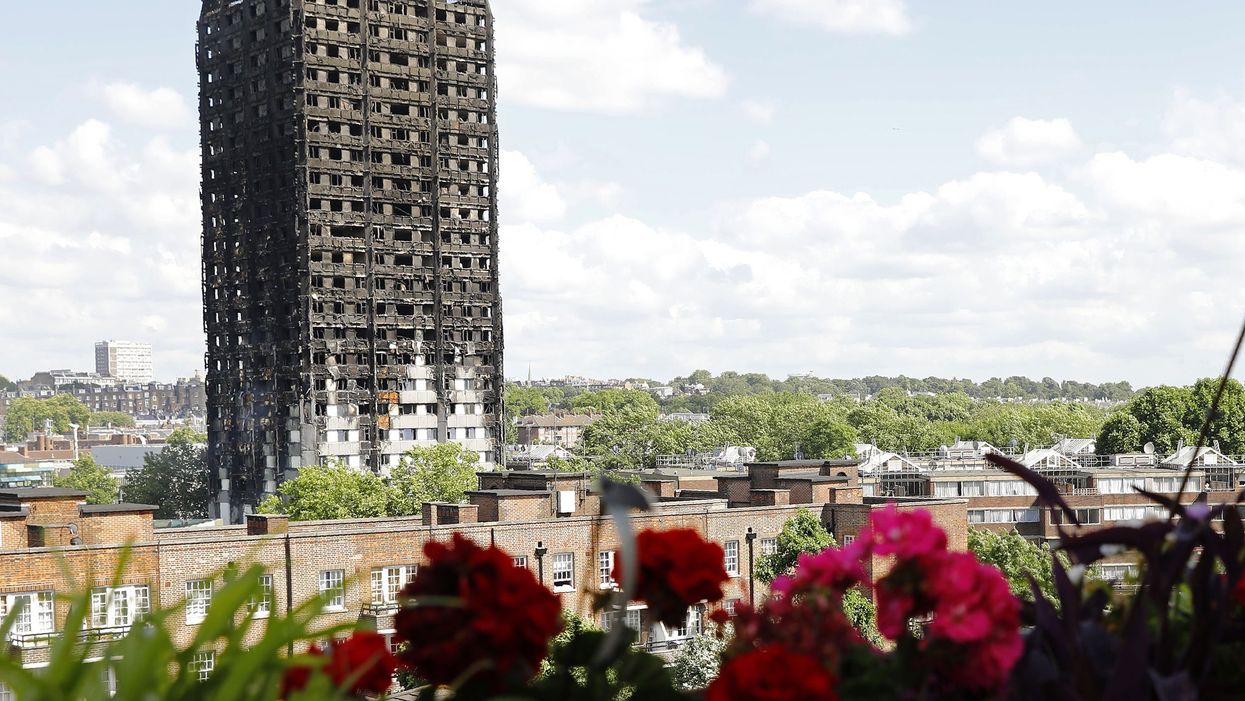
{"points": [[333, 609], [563, 589]]}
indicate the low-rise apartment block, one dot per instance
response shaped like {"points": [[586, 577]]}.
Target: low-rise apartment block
{"points": [[551, 523]]}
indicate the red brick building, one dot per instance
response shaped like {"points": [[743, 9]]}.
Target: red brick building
{"points": [[549, 522]]}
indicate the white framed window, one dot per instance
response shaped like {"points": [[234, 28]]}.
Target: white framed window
{"points": [[849, 539], [202, 664], [1029, 515], [261, 603], [769, 546], [37, 614], [115, 607], [520, 561], [110, 680], [1112, 572], [729, 606], [564, 572], [6, 694], [605, 569], [630, 618], [732, 557], [692, 624], [333, 589], [198, 598], [388, 582]]}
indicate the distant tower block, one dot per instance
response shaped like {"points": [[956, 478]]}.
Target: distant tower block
{"points": [[349, 236], [128, 363]]}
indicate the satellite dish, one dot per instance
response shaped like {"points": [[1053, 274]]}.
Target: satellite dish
{"points": [[1148, 448]]}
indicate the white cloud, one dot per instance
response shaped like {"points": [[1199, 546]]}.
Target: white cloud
{"points": [[524, 196], [1213, 129], [847, 16], [1029, 142], [996, 273], [161, 108], [103, 237], [598, 55], [759, 111], [1178, 190], [758, 151]]}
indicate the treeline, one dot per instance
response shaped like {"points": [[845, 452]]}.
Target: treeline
{"points": [[782, 425], [26, 414], [730, 384], [1166, 416]]}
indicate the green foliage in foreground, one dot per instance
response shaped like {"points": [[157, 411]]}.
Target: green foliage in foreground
{"points": [[148, 665]]}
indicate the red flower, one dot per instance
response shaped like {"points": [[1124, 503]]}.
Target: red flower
{"points": [[678, 568], [500, 616], [1238, 593], [773, 673], [359, 665]]}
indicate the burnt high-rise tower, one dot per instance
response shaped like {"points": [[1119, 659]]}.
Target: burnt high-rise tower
{"points": [[349, 235]]}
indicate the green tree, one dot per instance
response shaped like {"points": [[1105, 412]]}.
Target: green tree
{"points": [[443, 473], [1121, 433], [1018, 559], [7, 385], [610, 401], [1162, 412], [829, 437], [774, 424], [522, 401], [327, 492], [26, 414], [1228, 425], [112, 418], [85, 475], [174, 479], [802, 533]]}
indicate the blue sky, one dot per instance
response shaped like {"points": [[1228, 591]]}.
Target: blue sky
{"points": [[844, 187]]}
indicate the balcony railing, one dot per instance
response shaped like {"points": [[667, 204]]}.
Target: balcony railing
{"points": [[28, 641], [380, 609]]}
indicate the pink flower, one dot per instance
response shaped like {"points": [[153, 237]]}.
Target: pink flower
{"points": [[834, 569], [905, 534]]}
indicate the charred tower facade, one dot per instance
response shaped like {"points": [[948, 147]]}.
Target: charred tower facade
{"points": [[350, 282]]}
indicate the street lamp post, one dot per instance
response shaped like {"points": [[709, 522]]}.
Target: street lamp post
{"points": [[541, 550], [750, 536]]}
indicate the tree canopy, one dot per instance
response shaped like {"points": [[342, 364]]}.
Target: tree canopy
{"points": [[324, 492], [7, 385], [94, 479], [175, 479], [112, 418], [1166, 415], [1018, 559], [444, 473], [802, 533], [26, 414]]}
